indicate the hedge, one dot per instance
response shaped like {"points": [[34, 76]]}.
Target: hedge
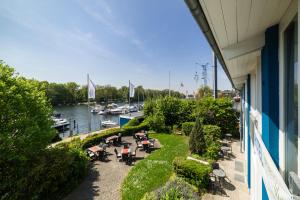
{"points": [[187, 127], [50, 175], [193, 172], [125, 131]]}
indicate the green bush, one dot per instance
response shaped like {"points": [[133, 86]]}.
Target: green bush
{"points": [[175, 111], [212, 133], [156, 122], [207, 143], [187, 127], [219, 112], [193, 172], [212, 151], [50, 175], [176, 189]]}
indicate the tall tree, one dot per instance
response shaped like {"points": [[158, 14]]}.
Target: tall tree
{"points": [[197, 139]]}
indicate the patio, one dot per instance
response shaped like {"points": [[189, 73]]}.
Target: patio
{"points": [[234, 186], [105, 177]]}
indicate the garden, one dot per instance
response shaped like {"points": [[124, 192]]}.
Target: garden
{"points": [[40, 171]]}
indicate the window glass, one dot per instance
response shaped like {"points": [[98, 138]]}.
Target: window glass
{"points": [[291, 97]]}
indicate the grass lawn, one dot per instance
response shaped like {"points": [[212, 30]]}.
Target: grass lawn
{"points": [[155, 170]]}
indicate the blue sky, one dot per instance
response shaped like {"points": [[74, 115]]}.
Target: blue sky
{"points": [[114, 41]]}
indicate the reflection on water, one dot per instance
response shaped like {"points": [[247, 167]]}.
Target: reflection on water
{"points": [[80, 113]]}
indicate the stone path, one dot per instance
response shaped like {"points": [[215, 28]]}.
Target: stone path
{"points": [[235, 188], [105, 178]]}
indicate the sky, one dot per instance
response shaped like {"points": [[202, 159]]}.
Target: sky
{"points": [[111, 40]]}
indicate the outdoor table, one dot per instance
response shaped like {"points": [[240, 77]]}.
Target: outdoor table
{"points": [[145, 142], [126, 151], [224, 141], [229, 136], [225, 149], [95, 149], [140, 134], [112, 138], [220, 174]]}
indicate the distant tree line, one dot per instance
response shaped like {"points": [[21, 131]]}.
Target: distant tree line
{"points": [[73, 93]]}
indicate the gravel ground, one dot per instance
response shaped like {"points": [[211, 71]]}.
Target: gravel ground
{"points": [[105, 178]]}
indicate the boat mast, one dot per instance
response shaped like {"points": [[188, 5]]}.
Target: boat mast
{"points": [[89, 114], [129, 95], [138, 100]]}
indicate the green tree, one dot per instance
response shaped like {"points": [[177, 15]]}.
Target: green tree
{"points": [[25, 125], [197, 138], [170, 108], [219, 112], [204, 91]]}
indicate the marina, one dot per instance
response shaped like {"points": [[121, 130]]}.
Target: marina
{"points": [[74, 119]]}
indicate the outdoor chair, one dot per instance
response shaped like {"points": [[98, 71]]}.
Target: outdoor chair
{"points": [[213, 183], [125, 157], [91, 155], [151, 143], [138, 144], [221, 154], [134, 153], [102, 155], [119, 138], [215, 165], [146, 148], [118, 155]]}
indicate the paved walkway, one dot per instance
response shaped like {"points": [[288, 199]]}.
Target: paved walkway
{"points": [[105, 178], [235, 188]]}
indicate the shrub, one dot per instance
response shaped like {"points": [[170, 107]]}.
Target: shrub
{"points": [[212, 133], [187, 127], [197, 140], [212, 151], [51, 175], [210, 147], [219, 112], [193, 172], [169, 107], [174, 189], [149, 107], [156, 122]]}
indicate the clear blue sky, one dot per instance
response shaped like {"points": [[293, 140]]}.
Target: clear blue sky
{"points": [[112, 40]]}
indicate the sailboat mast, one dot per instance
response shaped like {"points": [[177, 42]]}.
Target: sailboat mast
{"points": [[88, 107], [129, 94]]}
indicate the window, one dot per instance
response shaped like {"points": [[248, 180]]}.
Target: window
{"points": [[291, 97]]}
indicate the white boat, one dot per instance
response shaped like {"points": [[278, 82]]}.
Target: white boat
{"points": [[108, 123], [94, 110], [102, 112], [133, 109], [116, 111], [60, 123]]}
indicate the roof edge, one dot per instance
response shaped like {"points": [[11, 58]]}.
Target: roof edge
{"points": [[199, 16]]}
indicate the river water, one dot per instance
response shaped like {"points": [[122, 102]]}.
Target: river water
{"points": [[80, 114]]}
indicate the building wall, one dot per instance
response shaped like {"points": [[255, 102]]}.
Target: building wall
{"points": [[267, 112]]}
